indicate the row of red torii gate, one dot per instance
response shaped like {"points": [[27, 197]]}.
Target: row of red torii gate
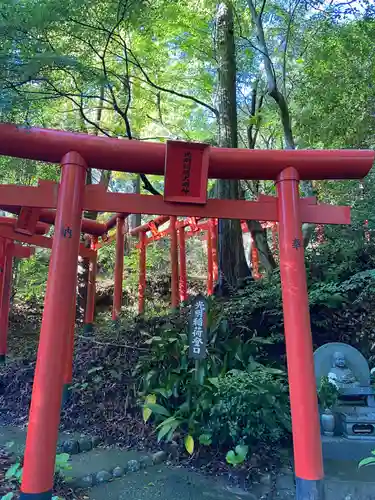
{"points": [[31, 225], [186, 168]]}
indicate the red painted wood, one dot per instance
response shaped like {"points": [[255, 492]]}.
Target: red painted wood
{"points": [[38, 240], [44, 417], [6, 261], [174, 264], [149, 158], [142, 273], [304, 405], [182, 262], [91, 291], [119, 268], [186, 171]]}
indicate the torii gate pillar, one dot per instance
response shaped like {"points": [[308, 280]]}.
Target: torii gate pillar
{"points": [[41, 441], [303, 398]]}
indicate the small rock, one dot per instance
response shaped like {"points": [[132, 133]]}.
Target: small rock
{"points": [[145, 461], [71, 447], [118, 472], [103, 476], [266, 479], [85, 481], [85, 444], [133, 466], [95, 441], [159, 457]]}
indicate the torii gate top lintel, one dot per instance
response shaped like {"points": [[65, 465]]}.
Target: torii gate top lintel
{"points": [[149, 157]]}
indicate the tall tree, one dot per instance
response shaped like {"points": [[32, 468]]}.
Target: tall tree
{"points": [[232, 263]]}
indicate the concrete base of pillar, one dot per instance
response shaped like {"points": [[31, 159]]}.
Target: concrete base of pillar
{"points": [[2, 359], [309, 490], [47, 495]]}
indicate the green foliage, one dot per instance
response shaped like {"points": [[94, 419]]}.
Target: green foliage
{"points": [[327, 394], [208, 400], [33, 272], [250, 408], [238, 455], [8, 496], [14, 472], [367, 461], [62, 464]]}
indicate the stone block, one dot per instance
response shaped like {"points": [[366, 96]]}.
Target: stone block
{"points": [[133, 466], [71, 447], [85, 444], [103, 476], [159, 457], [118, 472]]}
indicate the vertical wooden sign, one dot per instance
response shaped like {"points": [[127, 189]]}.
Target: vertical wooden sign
{"points": [[198, 328], [186, 172], [27, 220]]}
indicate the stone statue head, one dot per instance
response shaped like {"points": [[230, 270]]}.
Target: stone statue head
{"points": [[339, 360]]}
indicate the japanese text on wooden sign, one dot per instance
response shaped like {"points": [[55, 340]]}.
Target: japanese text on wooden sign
{"points": [[186, 172], [198, 328]]}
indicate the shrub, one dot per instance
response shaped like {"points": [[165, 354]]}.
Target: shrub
{"points": [[251, 407]]}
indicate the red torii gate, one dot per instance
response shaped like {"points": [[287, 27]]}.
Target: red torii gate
{"points": [[186, 168], [177, 251], [26, 229], [8, 251]]}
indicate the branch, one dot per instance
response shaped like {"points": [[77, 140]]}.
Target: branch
{"points": [[287, 42], [148, 186], [173, 92]]}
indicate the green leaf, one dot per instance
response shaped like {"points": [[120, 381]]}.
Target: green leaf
{"points": [[231, 457], [62, 461], [189, 444], [12, 471], [166, 393], [242, 450], [93, 370], [166, 421], [168, 427], [366, 461], [205, 439], [147, 412], [214, 381], [158, 409], [164, 431]]}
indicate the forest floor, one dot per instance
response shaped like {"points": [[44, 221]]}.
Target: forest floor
{"points": [[101, 405]]}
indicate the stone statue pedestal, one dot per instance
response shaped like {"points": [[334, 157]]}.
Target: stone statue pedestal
{"points": [[355, 410], [357, 425]]}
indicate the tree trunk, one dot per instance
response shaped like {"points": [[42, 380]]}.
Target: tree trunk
{"points": [[83, 263], [232, 262], [258, 234], [281, 101], [135, 219]]}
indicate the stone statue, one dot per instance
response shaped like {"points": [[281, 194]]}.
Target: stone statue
{"points": [[348, 370], [340, 375]]}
